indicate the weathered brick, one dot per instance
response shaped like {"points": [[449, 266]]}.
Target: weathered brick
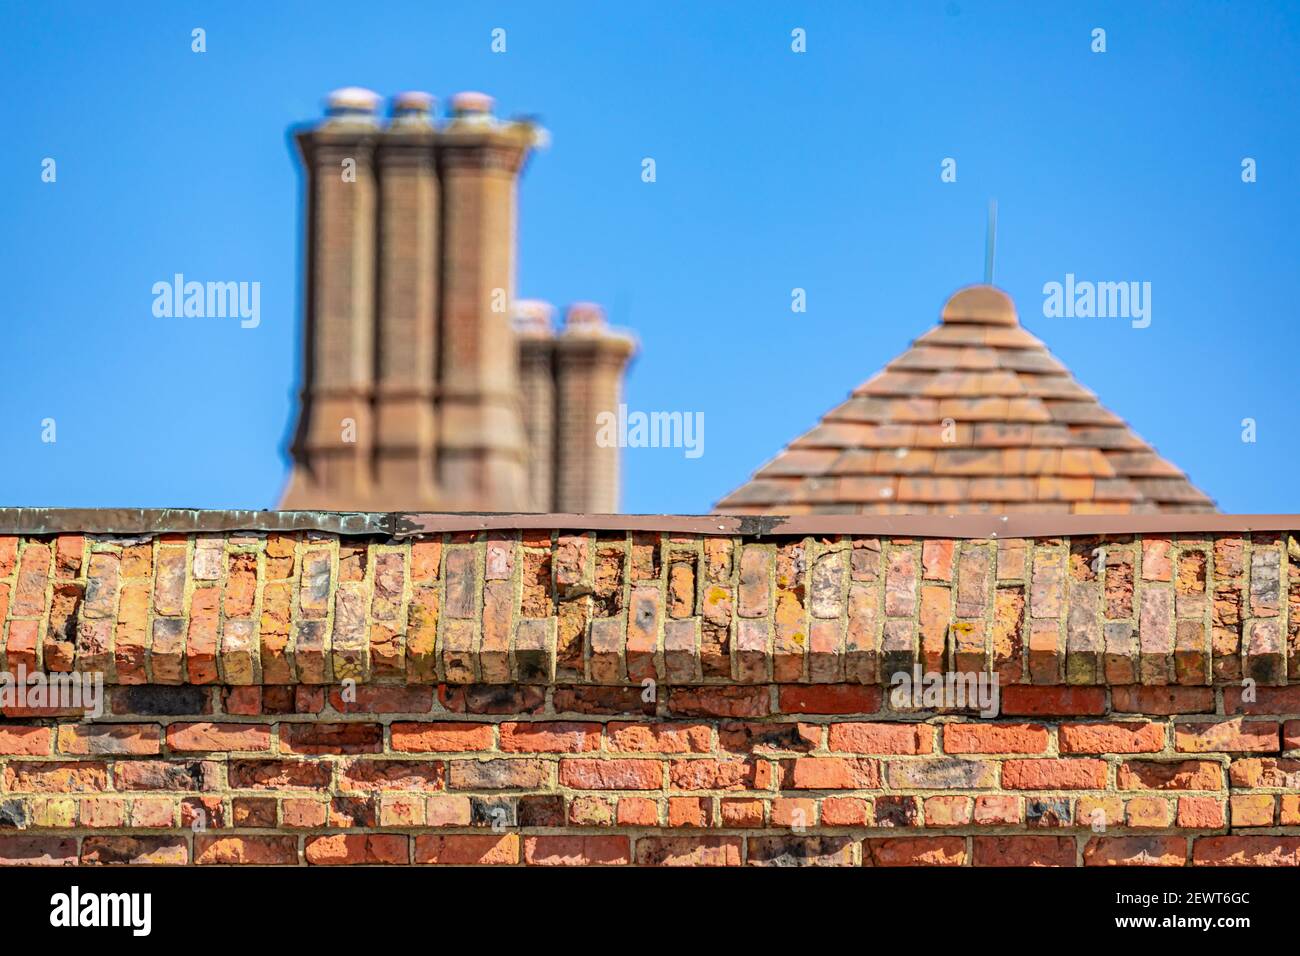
{"points": [[1048, 774], [1022, 851], [577, 850], [467, 850], [1112, 737], [979, 738], [258, 850], [1135, 851]]}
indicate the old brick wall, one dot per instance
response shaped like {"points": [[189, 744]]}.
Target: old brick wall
{"points": [[552, 696]]}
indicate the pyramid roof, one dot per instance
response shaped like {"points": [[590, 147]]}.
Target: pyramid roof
{"points": [[977, 416]]}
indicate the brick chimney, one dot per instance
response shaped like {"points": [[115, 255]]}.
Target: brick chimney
{"points": [[481, 450], [407, 332], [419, 391], [534, 327], [334, 437], [590, 360]]}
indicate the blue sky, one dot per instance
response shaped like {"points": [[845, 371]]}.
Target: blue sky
{"points": [[775, 170]]}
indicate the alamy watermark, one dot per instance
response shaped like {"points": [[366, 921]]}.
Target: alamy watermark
{"points": [[77, 690], [948, 690], [209, 300], [75, 908], [626, 429], [1084, 299]]}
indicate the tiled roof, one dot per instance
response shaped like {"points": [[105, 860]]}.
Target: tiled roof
{"points": [[976, 416]]}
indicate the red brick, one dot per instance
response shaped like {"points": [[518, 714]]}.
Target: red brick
{"points": [[832, 773], [707, 774], [639, 737], [8, 554], [881, 738], [637, 812], [936, 559], [241, 585], [81, 776], [207, 736], [715, 701], [319, 738], [1162, 701], [550, 737], [594, 774], [743, 812], [1252, 809], [1265, 772], [302, 814], [38, 851], [1246, 851], [972, 738], [828, 699], [1163, 775], [278, 774], [1234, 735], [900, 582], [384, 699], [1268, 700], [692, 812], [1289, 809], [467, 850], [68, 550], [755, 580], [764, 738], [498, 774], [259, 850], [33, 575], [915, 851], [1156, 565], [209, 813], [998, 810], [846, 812], [689, 851], [242, 701], [577, 850], [153, 813], [201, 638], [426, 558], [1135, 851], [588, 810], [102, 813], [147, 850], [439, 737], [25, 741], [789, 850], [1020, 700], [1049, 774], [368, 848], [1112, 737], [1201, 813], [947, 811], [1147, 813], [1022, 851], [253, 812]]}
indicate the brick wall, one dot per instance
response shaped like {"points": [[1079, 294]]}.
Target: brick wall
{"points": [[551, 696]]}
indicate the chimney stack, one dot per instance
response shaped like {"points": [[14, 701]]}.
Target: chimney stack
{"points": [[481, 450], [407, 330], [590, 360], [535, 330], [334, 437], [426, 386]]}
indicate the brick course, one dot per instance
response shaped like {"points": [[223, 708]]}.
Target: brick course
{"points": [[306, 698]]}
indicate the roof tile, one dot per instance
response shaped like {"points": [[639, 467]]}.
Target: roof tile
{"points": [[977, 416]]}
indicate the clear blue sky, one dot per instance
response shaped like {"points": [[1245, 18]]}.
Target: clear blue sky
{"points": [[775, 171]]}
